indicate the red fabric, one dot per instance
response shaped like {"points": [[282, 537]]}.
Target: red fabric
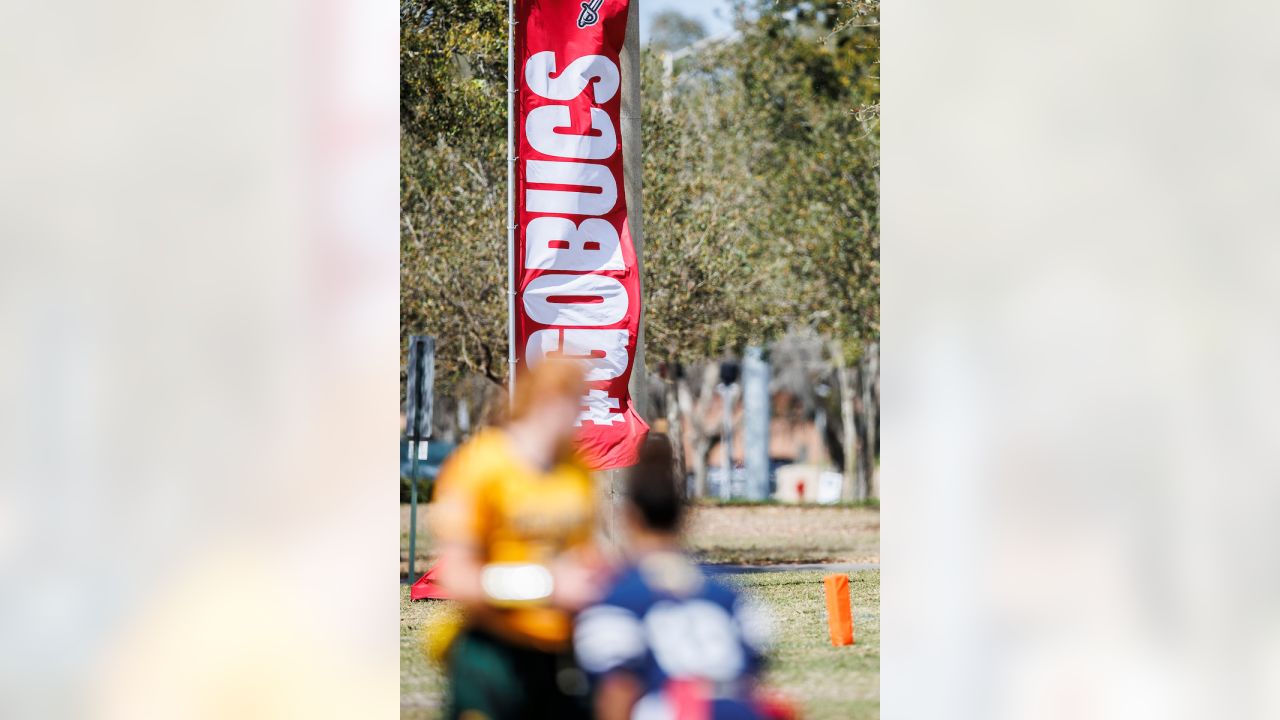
{"points": [[428, 586], [690, 699], [576, 278], [776, 707]]}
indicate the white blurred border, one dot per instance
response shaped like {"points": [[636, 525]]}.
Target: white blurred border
{"points": [[198, 300], [1081, 326], [200, 359]]}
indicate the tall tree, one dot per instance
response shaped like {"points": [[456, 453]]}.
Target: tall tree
{"points": [[761, 177], [671, 30], [706, 279], [813, 69], [453, 174]]}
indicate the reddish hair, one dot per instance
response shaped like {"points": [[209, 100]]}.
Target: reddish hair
{"points": [[551, 379]]}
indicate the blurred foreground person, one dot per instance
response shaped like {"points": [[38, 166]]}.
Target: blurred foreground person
{"points": [[666, 642], [514, 514]]}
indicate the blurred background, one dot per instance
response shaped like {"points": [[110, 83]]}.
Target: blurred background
{"points": [[200, 354], [760, 263], [199, 302], [760, 272], [1079, 417]]}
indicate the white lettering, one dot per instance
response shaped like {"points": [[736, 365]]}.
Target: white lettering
{"points": [[570, 202], [556, 243], [574, 79], [599, 409], [603, 351], [540, 128], [568, 300]]}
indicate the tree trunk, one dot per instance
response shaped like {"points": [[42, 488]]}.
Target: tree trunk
{"points": [[869, 380], [675, 429], [848, 418], [701, 453], [698, 436], [691, 412]]}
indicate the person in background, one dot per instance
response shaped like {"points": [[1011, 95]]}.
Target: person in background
{"points": [[514, 515], [666, 642]]}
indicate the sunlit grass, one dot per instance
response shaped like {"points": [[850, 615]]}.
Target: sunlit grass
{"points": [[828, 682]]}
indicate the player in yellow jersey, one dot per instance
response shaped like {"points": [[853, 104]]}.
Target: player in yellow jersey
{"points": [[514, 513]]}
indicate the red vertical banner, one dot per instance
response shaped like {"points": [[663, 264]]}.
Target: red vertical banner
{"points": [[577, 283]]}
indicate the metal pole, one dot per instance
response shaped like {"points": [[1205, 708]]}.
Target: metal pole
{"points": [[629, 116], [511, 200], [755, 414], [413, 504], [632, 185], [726, 401]]}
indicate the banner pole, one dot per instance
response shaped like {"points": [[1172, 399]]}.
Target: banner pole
{"points": [[632, 172], [632, 166], [511, 201], [413, 506]]}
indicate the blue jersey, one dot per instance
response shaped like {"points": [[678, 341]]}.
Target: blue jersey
{"points": [[669, 626]]}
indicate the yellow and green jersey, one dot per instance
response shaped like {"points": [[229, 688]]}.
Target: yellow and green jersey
{"points": [[489, 498]]}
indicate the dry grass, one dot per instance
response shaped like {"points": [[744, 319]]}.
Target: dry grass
{"points": [[829, 683], [748, 534], [775, 534], [424, 548], [421, 683]]}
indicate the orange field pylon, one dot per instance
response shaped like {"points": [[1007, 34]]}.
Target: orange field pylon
{"points": [[839, 612]]}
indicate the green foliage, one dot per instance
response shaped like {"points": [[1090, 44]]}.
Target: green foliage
{"points": [[760, 170], [453, 58], [672, 30], [761, 181], [812, 70], [702, 208], [453, 69]]}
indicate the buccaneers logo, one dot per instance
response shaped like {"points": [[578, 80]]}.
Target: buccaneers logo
{"points": [[590, 14]]}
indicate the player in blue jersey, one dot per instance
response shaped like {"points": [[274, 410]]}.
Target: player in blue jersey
{"points": [[667, 642]]}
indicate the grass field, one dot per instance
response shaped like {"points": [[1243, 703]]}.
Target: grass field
{"points": [[748, 534], [771, 534], [829, 683], [421, 686]]}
